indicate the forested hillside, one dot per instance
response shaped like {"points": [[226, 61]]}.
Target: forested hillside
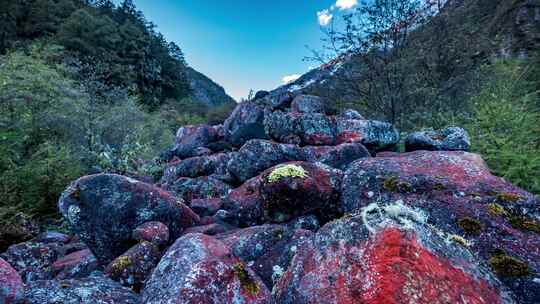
{"points": [[85, 87]]}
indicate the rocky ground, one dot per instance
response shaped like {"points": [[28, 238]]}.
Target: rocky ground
{"points": [[288, 202]]}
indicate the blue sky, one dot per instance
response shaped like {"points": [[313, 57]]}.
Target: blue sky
{"points": [[243, 44]]}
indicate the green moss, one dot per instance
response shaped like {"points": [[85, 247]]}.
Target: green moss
{"points": [[524, 223], [460, 240], [246, 281], [394, 185], [121, 263], [509, 197], [506, 266], [470, 225], [496, 209], [439, 187], [286, 171]]}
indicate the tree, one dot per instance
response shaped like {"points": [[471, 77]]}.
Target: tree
{"points": [[373, 38]]}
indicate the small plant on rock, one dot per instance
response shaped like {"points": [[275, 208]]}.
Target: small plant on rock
{"points": [[286, 171]]}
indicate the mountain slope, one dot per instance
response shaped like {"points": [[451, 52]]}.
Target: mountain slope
{"points": [[454, 44], [205, 90]]}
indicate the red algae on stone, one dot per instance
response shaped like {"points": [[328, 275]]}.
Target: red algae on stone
{"points": [[389, 267]]}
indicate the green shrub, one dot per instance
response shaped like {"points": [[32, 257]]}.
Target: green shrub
{"points": [[505, 127], [53, 130]]}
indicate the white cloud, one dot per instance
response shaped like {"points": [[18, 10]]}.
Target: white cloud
{"points": [[290, 78], [324, 17], [346, 4]]}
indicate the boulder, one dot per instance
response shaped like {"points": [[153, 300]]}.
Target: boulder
{"points": [[385, 257], [196, 167], [281, 100], [206, 207], [449, 139], [243, 206], [200, 269], [33, 260], [95, 289], [211, 229], [104, 209], [339, 156], [78, 264], [350, 114], [11, 284], [267, 249], [189, 189], [375, 135], [461, 197], [245, 123], [52, 237], [310, 104], [258, 155], [156, 233], [190, 140], [311, 128], [300, 188], [133, 267]]}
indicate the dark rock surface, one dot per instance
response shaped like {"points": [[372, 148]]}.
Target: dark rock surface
{"points": [[104, 209], [267, 249], [246, 204], [448, 139], [133, 267], [306, 188], [245, 123], [200, 269], [78, 264], [154, 232], [11, 284], [95, 289]]}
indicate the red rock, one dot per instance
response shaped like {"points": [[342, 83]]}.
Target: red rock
{"points": [[133, 267], [205, 187], [210, 229], [75, 265], [267, 249], [461, 197], [244, 204], [315, 193], [154, 232], [346, 264], [198, 269], [104, 209], [206, 207], [11, 284]]}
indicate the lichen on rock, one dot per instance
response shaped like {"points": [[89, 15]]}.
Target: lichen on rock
{"points": [[290, 170]]}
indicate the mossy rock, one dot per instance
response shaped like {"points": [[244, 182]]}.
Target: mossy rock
{"points": [[459, 240], [470, 225], [523, 223], [120, 264], [496, 209], [246, 281], [506, 266], [509, 197], [293, 171], [393, 184]]}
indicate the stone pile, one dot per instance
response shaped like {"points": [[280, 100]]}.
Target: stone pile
{"points": [[289, 202]]}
